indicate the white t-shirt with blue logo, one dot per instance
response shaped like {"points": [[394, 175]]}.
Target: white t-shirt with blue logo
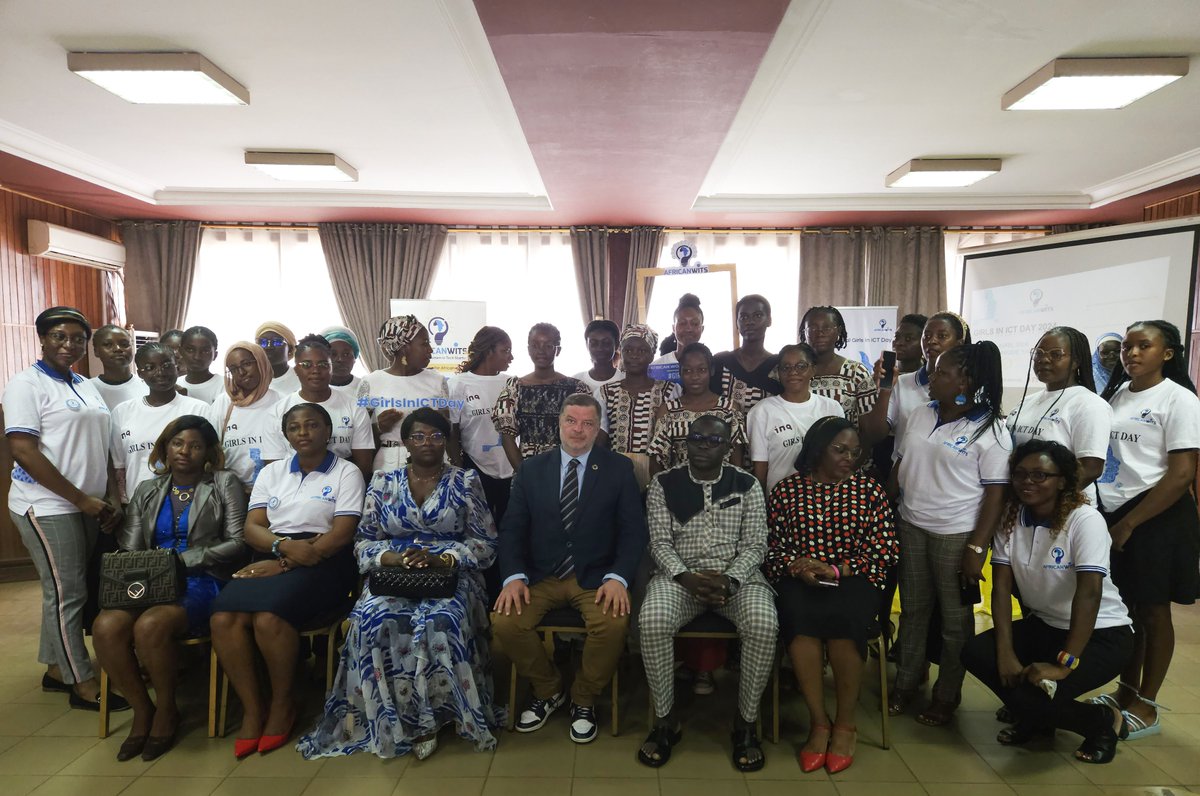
{"points": [[943, 473], [135, 428], [72, 424], [251, 436], [1075, 417], [1045, 564], [351, 425], [472, 398], [298, 503], [1147, 425]]}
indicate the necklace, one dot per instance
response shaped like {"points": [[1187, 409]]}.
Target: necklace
{"points": [[413, 476], [829, 491], [182, 493]]}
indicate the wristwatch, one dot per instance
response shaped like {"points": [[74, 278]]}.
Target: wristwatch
{"points": [[275, 547], [976, 548]]}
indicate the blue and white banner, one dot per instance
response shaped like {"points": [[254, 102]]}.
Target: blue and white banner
{"points": [[869, 332], [451, 324]]}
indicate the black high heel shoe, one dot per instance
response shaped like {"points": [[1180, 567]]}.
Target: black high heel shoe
{"points": [[1102, 747]]}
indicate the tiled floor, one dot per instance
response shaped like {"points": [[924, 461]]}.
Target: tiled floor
{"points": [[46, 748]]}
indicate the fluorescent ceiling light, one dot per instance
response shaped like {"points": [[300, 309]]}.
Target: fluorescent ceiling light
{"points": [[1092, 83], [942, 172], [160, 78], [303, 166]]}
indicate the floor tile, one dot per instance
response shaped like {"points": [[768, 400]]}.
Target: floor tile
{"points": [[539, 754], [259, 786], [281, 763], [74, 786], [877, 788], [182, 786], [1056, 790], [28, 719], [875, 765], [361, 787], [364, 764], [1031, 766], [19, 785], [956, 789], [196, 754], [7, 741], [447, 786], [508, 786], [43, 755], [700, 787], [1182, 763], [602, 786], [615, 758], [1127, 768], [942, 764], [455, 760], [101, 760], [822, 787]]}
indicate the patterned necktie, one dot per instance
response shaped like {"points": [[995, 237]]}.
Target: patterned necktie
{"points": [[569, 506]]}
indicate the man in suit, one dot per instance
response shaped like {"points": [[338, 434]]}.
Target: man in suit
{"points": [[573, 534]]}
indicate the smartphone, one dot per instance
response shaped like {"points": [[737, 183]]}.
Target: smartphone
{"points": [[969, 595], [823, 582], [889, 367]]}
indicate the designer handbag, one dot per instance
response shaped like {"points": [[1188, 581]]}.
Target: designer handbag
{"points": [[141, 578], [415, 584]]}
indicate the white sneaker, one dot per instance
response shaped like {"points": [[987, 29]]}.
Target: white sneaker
{"points": [[534, 716], [704, 685], [583, 724]]}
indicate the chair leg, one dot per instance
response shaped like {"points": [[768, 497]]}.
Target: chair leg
{"points": [[214, 678], [775, 700], [883, 692], [330, 648], [616, 700], [512, 697], [103, 703]]}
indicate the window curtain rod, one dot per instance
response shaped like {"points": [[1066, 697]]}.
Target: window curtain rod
{"points": [[667, 230]]}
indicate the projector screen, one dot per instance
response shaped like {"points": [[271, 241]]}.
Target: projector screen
{"points": [[1096, 281]]}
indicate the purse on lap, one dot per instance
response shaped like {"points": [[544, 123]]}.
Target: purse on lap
{"points": [[141, 578], [414, 584]]}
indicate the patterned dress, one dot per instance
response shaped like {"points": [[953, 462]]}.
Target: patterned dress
{"points": [[668, 446], [530, 411], [744, 388], [852, 386], [409, 667], [630, 417]]}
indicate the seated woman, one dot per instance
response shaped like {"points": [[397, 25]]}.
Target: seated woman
{"points": [[1076, 634], [412, 666], [303, 512], [196, 508], [832, 540]]}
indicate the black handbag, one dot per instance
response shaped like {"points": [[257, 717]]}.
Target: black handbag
{"points": [[141, 578], [414, 584]]}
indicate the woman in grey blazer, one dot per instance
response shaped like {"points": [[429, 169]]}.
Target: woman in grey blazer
{"points": [[198, 509]]}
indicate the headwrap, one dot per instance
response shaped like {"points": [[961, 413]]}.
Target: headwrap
{"points": [[397, 332], [640, 331], [345, 335], [236, 396], [279, 329], [56, 315], [1100, 373]]}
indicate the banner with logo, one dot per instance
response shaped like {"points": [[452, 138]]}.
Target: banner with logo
{"points": [[869, 332], [451, 325]]}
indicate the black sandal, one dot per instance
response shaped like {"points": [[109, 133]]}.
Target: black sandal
{"points": [[1005, 715], [1022, 733], [745, 739], [1101, 748], [663, 738]]}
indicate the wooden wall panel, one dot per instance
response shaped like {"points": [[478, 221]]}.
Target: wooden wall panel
{"points": [[29, 285], [1179, 207]]}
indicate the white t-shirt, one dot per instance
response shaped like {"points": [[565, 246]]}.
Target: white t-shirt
{"points": [[943, 474], [1044, 566], [594, 384], [471, 400], [249, 436], [1075, 417], [910, 393], [72, 424], [777, 427], [298, 503], [135, 428], [116, 394], [1147, 425], [286, 384], [382, 391], [351, 388], [206, 391], [351, 425]]}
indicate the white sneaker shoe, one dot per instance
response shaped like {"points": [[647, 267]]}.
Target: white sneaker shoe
{"points": [[583, 724], [704, 685], [534, 716]]}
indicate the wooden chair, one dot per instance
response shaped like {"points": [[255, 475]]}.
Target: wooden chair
{"points": [[212, 688], [559, 620]]}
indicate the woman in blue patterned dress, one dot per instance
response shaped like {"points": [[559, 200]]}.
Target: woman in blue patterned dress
{"points": [[410, 667]]}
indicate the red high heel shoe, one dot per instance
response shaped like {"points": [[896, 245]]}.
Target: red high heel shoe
{"points": [[811, 761], [269, 743], [835, 763], [244, 747]]}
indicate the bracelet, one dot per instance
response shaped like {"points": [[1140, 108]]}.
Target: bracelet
{"points": [[837, 571], [1068, 660], [447, 559], [275, 546]]}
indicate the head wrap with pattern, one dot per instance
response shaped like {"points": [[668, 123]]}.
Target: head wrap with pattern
{"points": [[397, 332], [640, 331]]}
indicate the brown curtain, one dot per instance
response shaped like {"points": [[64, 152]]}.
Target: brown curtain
{"points": [[160, 260], [906, 267], [832, 268], [645, 246], [370, 264], [589, 250]]}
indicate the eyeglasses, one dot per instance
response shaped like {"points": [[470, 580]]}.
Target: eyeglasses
{"points": [[322, 365], [706, 440], [1033, 476], [149, 369], [799, 367], [1053, 355], [248, 367], [822, 329], [271, 342], [842, 450], [58, 338], [420, 437]]}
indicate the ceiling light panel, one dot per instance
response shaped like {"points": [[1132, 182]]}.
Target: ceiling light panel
{"points": [[185, 78], [942, 172], [1093, 83], [302, 166]]}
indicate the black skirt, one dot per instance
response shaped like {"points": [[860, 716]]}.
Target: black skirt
{"points": [[827, 612], [1161, 561]]}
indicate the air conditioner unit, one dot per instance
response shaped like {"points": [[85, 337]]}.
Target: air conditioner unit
{"points": [[71, 246]]}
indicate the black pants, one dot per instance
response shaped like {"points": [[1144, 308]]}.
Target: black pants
{"points": [[1034, 641], [495, 492]]}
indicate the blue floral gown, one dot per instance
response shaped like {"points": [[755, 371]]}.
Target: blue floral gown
{"points": [[409, 667]]}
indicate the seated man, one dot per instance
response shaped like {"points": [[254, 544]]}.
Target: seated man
{"points": [[708, 538], [573, 534]]}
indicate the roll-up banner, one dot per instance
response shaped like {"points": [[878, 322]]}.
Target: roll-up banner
{"points": [[451, 325], [869, 332]]}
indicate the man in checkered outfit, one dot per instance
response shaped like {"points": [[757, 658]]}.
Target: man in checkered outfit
{"points": [[708, 538]]}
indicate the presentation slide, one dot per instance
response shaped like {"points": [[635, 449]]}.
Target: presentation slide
{"points": [[1101, 283]]}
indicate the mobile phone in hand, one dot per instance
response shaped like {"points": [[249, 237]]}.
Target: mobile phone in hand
{"points": [[969, 594], [889, 368], [824, 582]]}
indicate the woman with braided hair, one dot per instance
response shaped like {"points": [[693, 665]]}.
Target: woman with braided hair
{"points": [[844, 380], [475, 444]]}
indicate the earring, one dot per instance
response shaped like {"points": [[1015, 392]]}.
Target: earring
{"points": [[960, 400], [404, 360]]}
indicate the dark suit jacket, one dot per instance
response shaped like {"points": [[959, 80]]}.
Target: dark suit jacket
{"points": [[216, 522], [610, 528]]}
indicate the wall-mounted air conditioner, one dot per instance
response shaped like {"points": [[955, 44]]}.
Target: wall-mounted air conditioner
{"points": [[71, 246]]}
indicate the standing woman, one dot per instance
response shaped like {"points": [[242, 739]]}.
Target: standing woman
{"points": [[343, 344], [303, 513], [1145, 494], [628, 406], [63, 492], [778, 424], [952, 476], [137, 423], [113, 346], [280, 344], [1068, 411], [1105, 358], [198, 349], [602, 337], [528, 406], [844, 380], [198, 509], [407, 383], [351, 438], [244, 414], [906, 343], [686, 329], [668, 445], [744, 374], [474, 441]]}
